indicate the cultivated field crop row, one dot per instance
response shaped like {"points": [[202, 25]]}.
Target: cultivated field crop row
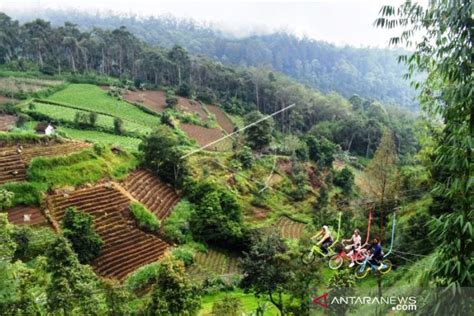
{"points": [[93, 98], [157, 196], [101, 137], [13, 163], [28, 85], [126, 247], [213, 262], [67, 114]]}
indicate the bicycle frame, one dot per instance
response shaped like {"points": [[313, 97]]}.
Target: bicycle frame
{"points": [[363, 266]]}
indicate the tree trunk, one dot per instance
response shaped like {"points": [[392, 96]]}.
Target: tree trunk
{"points": [[279, 304]]}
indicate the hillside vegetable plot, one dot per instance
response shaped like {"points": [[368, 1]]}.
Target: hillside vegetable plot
{"points": [[154, 100], [7, 122], [26, 215], [191, 106], [221, 118], [92, 98], [289, 228], [214, 262], [13, 164], [101, 137], [68, 114], [126, 247], [157, 196], [204, 136]]}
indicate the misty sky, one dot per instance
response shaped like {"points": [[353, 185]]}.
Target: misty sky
{"points": [[336, 21]]}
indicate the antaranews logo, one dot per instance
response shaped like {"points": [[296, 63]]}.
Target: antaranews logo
{"points": [[398, 303]]}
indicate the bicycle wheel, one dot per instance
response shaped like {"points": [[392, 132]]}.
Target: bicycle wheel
{"points": [[387, 266], [359, 259], [308, 257], [335, 262], [361, 274]]}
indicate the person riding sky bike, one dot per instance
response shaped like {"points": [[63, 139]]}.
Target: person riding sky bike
{"points": [[326, 239], [356, 240], [376, 253]]}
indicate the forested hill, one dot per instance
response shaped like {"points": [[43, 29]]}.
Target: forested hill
{"points": [[368, 72]]}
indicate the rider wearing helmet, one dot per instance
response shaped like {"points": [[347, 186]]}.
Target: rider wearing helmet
{"points": [[356, 240], [326, 239]]}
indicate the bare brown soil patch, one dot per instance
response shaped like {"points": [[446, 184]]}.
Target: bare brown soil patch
{"points": [[26, 215], [7, 122], [191, 106], [221, 118], [158, 196]]}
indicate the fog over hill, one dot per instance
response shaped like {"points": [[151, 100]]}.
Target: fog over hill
{"points": [[369, 72]]}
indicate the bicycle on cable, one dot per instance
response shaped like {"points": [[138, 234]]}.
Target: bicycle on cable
{"points": [[354, 251], [375, 260], [325, 246]]}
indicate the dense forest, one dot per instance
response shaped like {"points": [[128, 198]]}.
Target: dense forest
{"points": [[368, 72], [356, 124]]}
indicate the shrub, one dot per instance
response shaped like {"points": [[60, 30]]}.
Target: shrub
{"points": [[228, 305], [24, 193], [176, 226], [184, 254], [206, 95], [184, 90], [22, 119], [245, 156], [144, 218], [344, 179], [92, 118], [143, 277], [171, 102], [6, 198], [32, 242], [81, 119], [118, 126], [78, 227]]}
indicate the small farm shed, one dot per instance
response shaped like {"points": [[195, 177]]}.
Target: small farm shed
{"points": [[43, 128]]}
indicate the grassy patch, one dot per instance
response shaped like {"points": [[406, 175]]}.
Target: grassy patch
{"points": [[101, 137], [144, 218], [92, 98], [24, 193], [65, 114], [143, 277], [249, 302], [79, 168]]}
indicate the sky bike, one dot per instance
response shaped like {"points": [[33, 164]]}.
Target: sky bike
{"points": [[336, 260], [386, 265], [308, 257]]}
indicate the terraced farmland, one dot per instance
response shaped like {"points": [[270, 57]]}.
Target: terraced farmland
{"points": [[101, 137], [26, 215], [192, 107], [290, 229], [214, 262], [204, 136], [126, 247], [92, 98], [7, 122], [221, 118], [154, 100], [67, 114], [157, 196], [13, 163]]}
